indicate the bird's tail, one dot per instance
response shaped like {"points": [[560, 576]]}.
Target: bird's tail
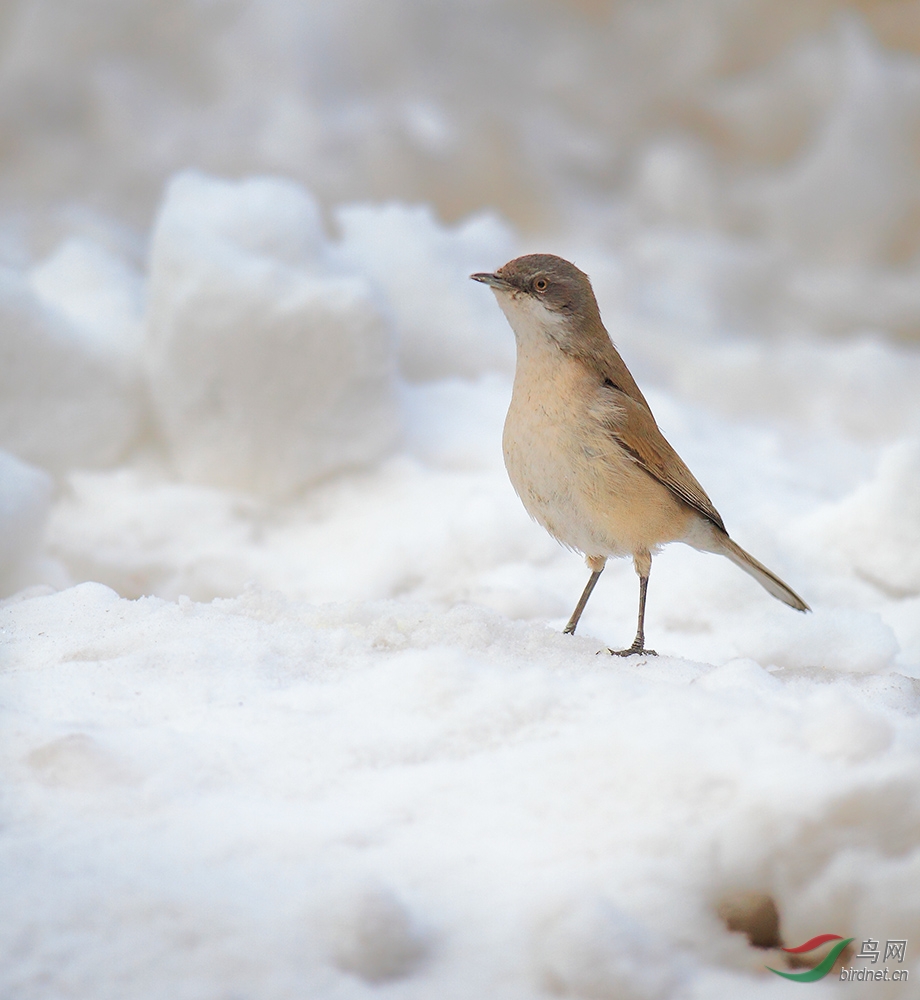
{"points": [[769, 581]]}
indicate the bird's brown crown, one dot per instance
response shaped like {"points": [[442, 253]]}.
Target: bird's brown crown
{"points": [[560, 285]]}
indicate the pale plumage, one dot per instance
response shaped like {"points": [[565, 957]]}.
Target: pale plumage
{"points": [[581, 446]]}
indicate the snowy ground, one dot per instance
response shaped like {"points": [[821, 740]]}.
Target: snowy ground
{"points": [[287, 710], [346, 749]]}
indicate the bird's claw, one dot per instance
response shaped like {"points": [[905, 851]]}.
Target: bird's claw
{"points": [[633, 650]]}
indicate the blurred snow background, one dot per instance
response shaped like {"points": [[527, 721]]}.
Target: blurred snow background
{"points": [[286, 709]]}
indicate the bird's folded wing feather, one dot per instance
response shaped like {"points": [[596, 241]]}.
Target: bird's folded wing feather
{"points": [[635, 430]]}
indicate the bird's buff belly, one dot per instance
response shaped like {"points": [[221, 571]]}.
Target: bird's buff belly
{"points": [[588, 494]]}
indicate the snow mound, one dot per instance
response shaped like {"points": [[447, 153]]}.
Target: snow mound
{"points": [[25, 499], [446, 325], [594, 951], [874, 532], [296, 800], [63, 403], [370, 933], [268, 370], [100, 294], [843, 200]]}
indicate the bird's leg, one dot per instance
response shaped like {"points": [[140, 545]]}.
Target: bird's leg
{"points": [[643, 563], [596, 565]]}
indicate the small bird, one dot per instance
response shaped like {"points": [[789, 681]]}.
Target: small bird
{"points": [[581, 446]]}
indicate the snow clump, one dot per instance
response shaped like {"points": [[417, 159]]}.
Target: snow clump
{"points": [[268, 368]]}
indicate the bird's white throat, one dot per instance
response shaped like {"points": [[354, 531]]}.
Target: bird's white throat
{"points": [[533, 324]]}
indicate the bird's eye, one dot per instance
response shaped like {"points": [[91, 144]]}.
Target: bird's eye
{"points": [[540, 284]]}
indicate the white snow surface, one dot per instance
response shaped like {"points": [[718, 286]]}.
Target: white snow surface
{"points": [[337, 745]]}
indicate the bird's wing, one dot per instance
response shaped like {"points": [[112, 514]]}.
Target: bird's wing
{"points": [[634, 429]]}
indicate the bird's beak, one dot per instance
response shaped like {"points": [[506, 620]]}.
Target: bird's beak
{"points": [[492, 280]]}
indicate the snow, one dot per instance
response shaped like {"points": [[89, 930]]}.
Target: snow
{"points": [[445, 327], [287, 710], [267, 370], [25, 500], [101, 295], [270, 796], [62, 405]]}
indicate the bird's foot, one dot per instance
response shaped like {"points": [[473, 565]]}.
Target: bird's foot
{"points": [[633, 650]]}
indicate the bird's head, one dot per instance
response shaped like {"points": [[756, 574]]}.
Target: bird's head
{"points": [[544, 294]]}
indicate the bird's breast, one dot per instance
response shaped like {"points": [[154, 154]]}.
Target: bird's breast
{"points": [[550, 453], [569, 471]]}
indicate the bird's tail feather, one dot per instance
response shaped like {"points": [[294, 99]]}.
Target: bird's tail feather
{"points": [[769, 581]]}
